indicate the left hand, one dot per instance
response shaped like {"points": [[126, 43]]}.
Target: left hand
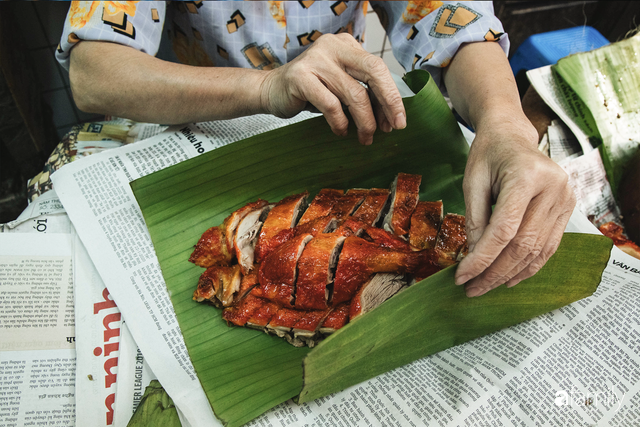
{"points": [[533, 203]]}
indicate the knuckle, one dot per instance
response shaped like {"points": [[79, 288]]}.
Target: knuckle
{"points": [[525, 246], [374, 64], [505, 232]]}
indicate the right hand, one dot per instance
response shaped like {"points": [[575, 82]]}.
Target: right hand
{"points": [[327, 76]]}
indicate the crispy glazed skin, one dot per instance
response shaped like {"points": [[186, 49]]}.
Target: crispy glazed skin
{"points": [[218, 284], [370, 210], [386, 239], [263, 314], [313, 271], [280, 218], [277, 274], [425, 223], [346, 204], [338, 317], [212, 249], [451, 238], [321, 204], [407, 194], [314, 227], [241, 313], [360, 259], [285, 318]]}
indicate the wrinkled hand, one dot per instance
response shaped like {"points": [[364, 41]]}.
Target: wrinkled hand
{"points": [[533, 203], [326, 76]]}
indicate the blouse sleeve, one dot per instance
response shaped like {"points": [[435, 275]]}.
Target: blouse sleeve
{"points": [[135, 24], [427, 34]]}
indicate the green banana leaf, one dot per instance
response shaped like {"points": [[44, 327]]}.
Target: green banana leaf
{"points": [[155, 409], [246, 372], [603, 87]]}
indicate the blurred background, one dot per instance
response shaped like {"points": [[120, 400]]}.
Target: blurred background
{"points": [[37, 109]]}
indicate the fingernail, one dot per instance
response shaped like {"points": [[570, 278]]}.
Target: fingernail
{"points": [[462, 280], [512, 283], [400, 121], [476, 292], [386, 127]]}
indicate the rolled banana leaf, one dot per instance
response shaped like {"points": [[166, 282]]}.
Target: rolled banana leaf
{"points": [[603, 87], [155, 409], [246, 372]]}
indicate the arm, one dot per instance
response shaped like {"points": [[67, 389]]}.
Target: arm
{"points": [[114, 79], [533, 201]]}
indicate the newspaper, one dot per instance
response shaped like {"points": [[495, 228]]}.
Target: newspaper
{"points": [[93, 396], [37, 350], [96, 194], [542, 81], [574, 366], [534, 373], [108, 389]]}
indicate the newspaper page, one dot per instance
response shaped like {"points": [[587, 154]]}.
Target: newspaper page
{"points": [[44, 215], [96, 194], [594, 197], [574, 366], [37, 351], [562, 143], [105, 392], [542, 81]]}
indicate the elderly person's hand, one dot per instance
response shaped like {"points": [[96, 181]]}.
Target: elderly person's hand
{"points": [[532, 197], [533, 203], [326, 76]]}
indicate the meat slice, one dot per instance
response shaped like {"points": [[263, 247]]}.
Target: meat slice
{"points": [[380, 288], [241, 313], [282, 322], [215, 246], [350, 227], [337, 318], [321, 204], [316, 268], [386, 239], [284, 215], [359, 259], [451, 239], [212, 248], [371, 210], [246, 237], [218, 284], [348, 203], [425, 223], [260, 317], [405, 193], [232, 221], [277, 274], [323, 224]]}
